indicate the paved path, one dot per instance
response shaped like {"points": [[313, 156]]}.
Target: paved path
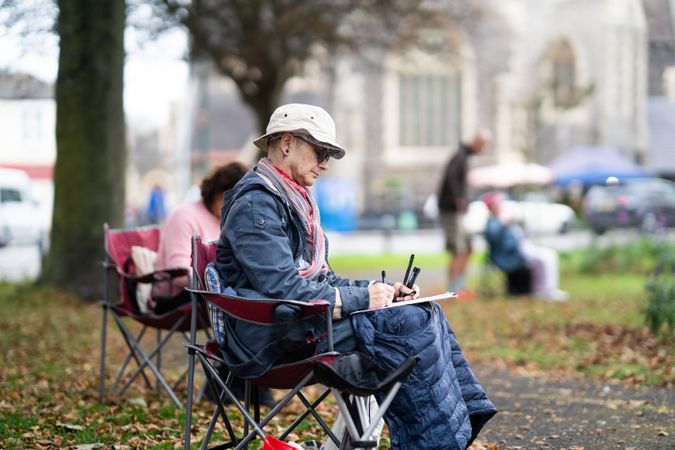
{"points": [[540, 412]]}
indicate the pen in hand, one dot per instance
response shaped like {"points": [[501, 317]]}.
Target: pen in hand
{"points": [[413, 277], [411, 282], [407, 270]]}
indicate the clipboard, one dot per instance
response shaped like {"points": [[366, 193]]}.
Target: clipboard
{"points": [[434, 298]]}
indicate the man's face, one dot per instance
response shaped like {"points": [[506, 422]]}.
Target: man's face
{"points": [[479, 143], [306, 162]]}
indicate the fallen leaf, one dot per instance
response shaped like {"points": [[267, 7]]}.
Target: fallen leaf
{"points": [[138, 402], [70, 426]]}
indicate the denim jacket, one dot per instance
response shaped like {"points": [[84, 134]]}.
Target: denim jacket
{"points": [[504, 248], [261, 245]]}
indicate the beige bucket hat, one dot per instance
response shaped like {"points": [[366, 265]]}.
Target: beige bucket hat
{"points": [[315, 123]]}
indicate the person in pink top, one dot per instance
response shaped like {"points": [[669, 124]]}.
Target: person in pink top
{"points": [[201, 217]]}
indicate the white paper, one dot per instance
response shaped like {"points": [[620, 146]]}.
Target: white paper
{"points": [[444, 296]]}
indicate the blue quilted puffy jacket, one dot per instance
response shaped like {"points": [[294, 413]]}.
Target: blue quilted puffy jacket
{"points": [[441, 405]]}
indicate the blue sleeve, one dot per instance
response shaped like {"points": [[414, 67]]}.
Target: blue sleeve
{"points": [[259, 240], [504, 247]]}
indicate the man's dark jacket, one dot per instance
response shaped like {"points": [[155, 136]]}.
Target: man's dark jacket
{"points": [[453, 187]]}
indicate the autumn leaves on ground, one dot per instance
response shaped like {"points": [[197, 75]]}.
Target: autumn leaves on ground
{"points": [[51, 345]]}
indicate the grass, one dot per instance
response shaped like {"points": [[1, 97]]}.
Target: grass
{"points": [[599, 332], [371, 263], [50, 350]]}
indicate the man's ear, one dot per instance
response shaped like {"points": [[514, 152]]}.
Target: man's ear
{"points": [[285, 143]]}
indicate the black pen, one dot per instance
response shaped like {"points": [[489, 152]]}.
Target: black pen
{"points": [[413, 277], [407, 270], [411, 281], [384, 277]]}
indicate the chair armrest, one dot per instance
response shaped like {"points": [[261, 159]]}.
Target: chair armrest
{"points": [[147, 278], [153, 276], [173, 272], [261, 311]]}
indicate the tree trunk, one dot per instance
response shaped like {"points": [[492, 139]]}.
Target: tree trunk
{"points": [[263, 106], [89, 175], [262, 103]]}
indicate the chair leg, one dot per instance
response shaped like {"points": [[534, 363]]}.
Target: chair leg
{"points": [[309, 408], [188, 402], [156, 351], [132, 354], [140, 369], [101, 379], [147, 362], [159, 357], [358, 422], [220, 390], [258, 427]]}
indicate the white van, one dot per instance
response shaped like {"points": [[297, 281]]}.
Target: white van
{"points": [[19, 214]]}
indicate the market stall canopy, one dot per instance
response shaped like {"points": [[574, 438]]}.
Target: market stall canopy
{"points": [[510, 174], [591, 164]]}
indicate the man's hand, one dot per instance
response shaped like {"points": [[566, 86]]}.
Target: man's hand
{"points": [[403, 292], [380, 295]]}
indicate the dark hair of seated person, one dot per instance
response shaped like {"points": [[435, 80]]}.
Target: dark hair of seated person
{"points": [[221, 180]]}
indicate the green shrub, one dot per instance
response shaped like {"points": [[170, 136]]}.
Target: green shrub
{"points": [[660, 309], [639, 256]]}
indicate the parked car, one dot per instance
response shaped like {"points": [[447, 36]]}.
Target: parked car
{"points": [[643, 203], [535, 212], [19, 214]]}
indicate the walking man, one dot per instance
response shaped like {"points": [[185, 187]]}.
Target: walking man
{"points": [[453, 204]]}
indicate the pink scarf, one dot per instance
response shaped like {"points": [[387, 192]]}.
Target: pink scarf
{"points": [[302, 201]]}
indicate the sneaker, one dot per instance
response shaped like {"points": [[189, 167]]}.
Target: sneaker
{"points": [[313, 445], [465, 295], [555, 295]]}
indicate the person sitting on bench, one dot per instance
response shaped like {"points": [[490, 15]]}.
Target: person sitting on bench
{"points": [[512, 252]]}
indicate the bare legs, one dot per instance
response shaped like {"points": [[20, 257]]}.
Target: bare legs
{"points": [[457, 269]]}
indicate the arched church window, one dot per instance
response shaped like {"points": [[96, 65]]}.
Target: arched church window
{"points": [[429, 89], [428, 109]]}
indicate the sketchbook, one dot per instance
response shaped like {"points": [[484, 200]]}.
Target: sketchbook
{"points": [[434, 298]]}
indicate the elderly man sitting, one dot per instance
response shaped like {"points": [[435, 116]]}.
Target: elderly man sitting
{"points": [[272, 246]]}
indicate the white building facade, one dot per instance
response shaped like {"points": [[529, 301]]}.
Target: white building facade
{"points": [[544, 75], [27, 121]]}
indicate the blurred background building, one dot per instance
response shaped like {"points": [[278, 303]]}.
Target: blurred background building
{"points": [[545, 76]]}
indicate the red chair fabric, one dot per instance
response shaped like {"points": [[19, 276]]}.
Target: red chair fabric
{"points": [[292, 376], [119, 269]]}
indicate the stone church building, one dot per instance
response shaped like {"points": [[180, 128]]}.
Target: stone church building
{"points": [[543, 75]]}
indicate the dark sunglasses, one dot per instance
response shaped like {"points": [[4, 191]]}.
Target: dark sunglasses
{"points": [[322, 154]]}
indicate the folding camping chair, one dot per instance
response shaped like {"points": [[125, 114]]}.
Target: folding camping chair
{"points": [[331, 369], [121, 302]]}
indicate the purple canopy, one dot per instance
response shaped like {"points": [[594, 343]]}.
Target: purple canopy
{"points": [[591, 164]]}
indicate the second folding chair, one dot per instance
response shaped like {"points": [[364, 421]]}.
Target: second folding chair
{"points": [[120, 301]]}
